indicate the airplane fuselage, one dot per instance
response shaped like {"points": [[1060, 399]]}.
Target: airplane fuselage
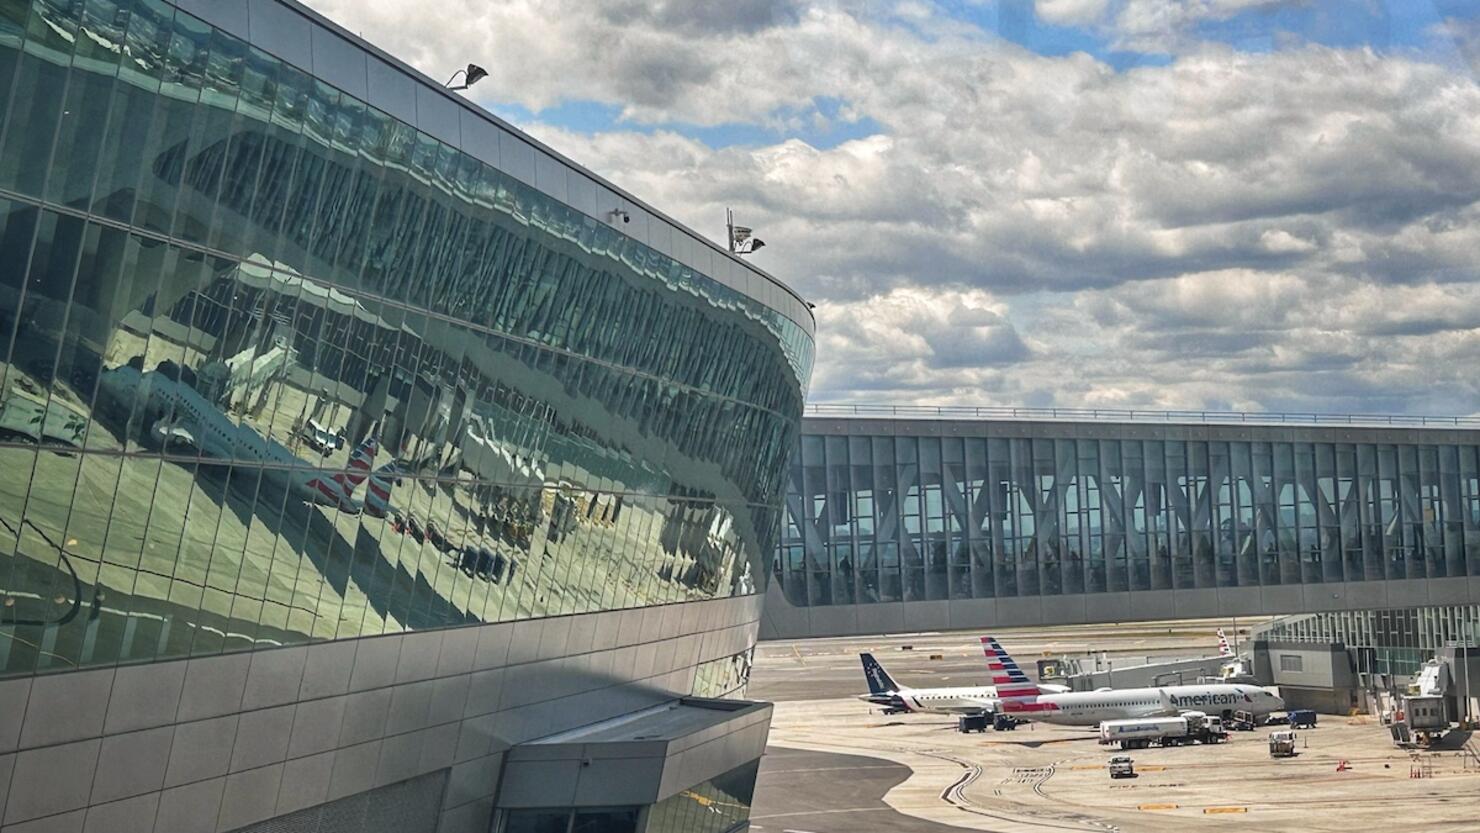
{"points": [[183, 414], [955, 700], [1089, 708]]}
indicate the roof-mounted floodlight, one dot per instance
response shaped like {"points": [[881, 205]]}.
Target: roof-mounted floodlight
{"points": [[472, 75], [742, 241]]}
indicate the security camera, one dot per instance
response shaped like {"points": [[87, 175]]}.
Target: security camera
{"points": [[619, 214]]}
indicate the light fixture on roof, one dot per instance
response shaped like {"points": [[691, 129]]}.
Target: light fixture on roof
{"points": [[472, 75], [742, 242]]}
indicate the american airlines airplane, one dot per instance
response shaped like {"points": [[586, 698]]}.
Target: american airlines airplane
{"points": [[885, 692], [1022, 698], [183, 416]]}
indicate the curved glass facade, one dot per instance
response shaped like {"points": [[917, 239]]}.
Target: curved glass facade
{"points": [[276, 366], [968, 510]]}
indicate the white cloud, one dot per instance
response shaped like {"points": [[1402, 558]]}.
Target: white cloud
{"points": [[1279, 241], [1286, 229], [693, 61], [1071, 12], [1463, 35], [1166, 25]]}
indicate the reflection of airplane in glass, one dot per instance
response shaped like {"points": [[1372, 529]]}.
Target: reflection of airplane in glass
{"points": [[378, 492], [183, 417]]}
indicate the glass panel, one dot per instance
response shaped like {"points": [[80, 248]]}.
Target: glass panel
{"points": [[85, 113], [710, 807], [37, 101], [257, 443], [536, 821]]}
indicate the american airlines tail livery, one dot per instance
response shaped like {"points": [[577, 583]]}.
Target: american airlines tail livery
{"points": [[1022, 698], [884, 691], [1223, 649]]}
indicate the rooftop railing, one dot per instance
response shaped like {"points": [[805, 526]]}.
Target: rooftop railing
{"points": [[825, 409]]}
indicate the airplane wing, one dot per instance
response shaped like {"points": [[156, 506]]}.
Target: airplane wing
{"points": [[975, 705]]}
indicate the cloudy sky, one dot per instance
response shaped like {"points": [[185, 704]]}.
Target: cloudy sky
{"points": [[1225, 204]]}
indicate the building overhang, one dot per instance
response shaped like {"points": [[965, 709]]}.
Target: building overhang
{"points": [[636, 759]]}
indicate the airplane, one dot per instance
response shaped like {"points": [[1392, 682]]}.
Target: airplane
{"points": [[1021, 698], [1235, 669], [897, 699], [187, 418]]}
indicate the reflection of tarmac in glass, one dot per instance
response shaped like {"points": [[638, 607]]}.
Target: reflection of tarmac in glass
{"points": [[172, 539]]}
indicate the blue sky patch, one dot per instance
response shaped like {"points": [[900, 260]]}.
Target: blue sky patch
{"points": [[822, 125]]}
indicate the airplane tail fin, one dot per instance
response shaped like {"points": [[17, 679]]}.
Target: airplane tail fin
{"points": [[879, 681], [359, 466], [378, 495], [337, 490], [1007, 677], [1223, 649]]}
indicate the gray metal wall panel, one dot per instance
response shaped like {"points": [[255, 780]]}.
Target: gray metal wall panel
{"points": [[437, 115], [478, 136], [517, 157], [391, 90], [362, 713], [785, 621], [549, 176], [230, 15], [337, 61], [279, 29]]}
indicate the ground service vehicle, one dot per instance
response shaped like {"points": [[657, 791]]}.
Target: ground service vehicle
{"points": [[1242, 721], [1426, 717], [1139, 733], [973, 722], [1303, 719], [1282, 744], [1121, 766]]}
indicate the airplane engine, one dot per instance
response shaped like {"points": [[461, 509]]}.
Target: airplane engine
{"points": [[167, 434]]}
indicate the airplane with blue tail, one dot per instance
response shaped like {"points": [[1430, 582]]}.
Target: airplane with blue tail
{"points": [[894, 698]]}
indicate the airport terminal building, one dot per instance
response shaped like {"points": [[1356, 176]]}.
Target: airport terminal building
{"points": [[364, 464], [901, 520]]}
